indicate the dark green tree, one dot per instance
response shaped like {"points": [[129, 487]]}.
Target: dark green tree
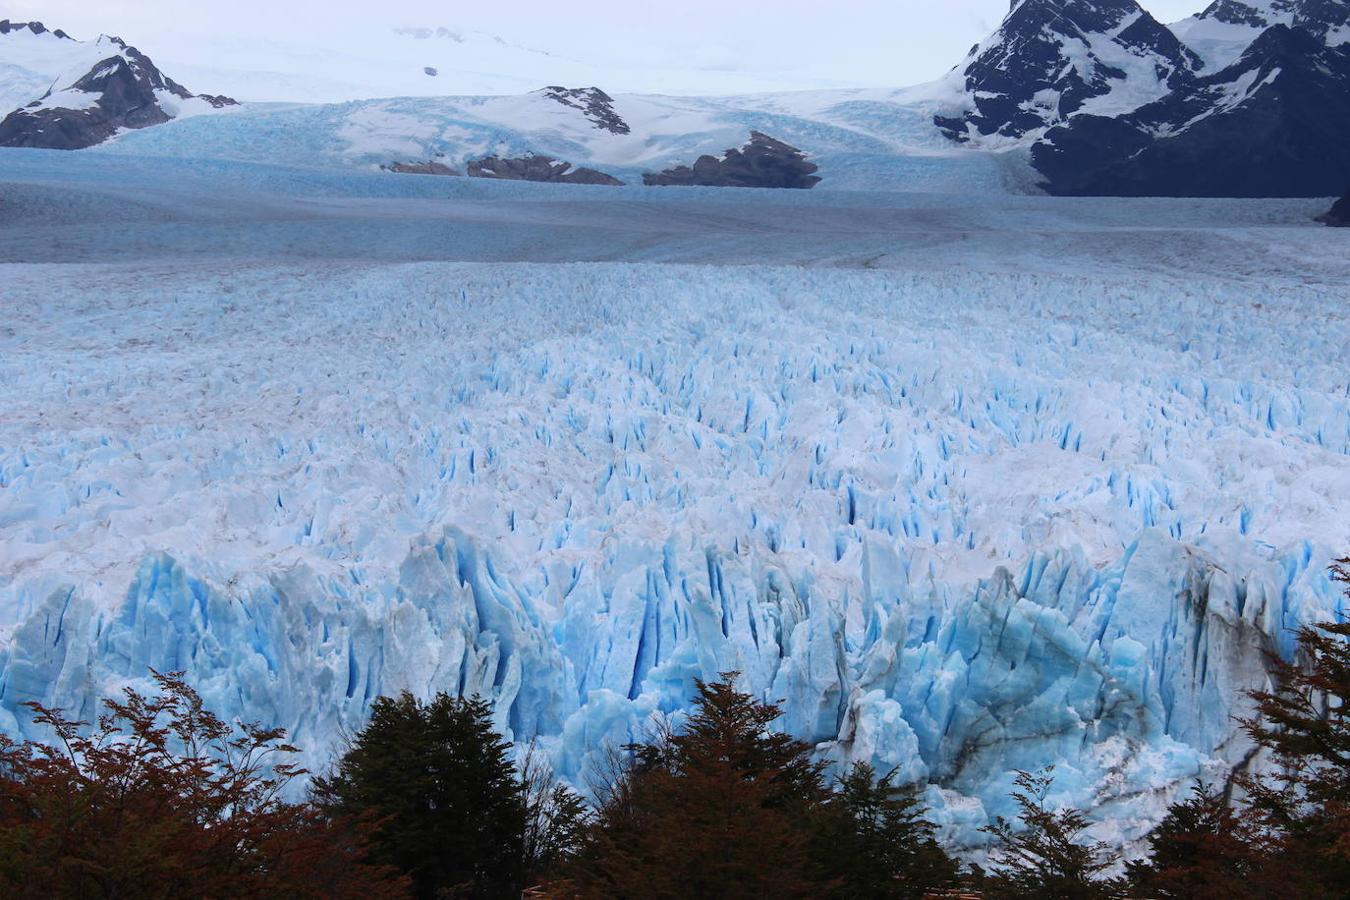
{"points": [[439, 781], [1044, 855], [875, 841], [720, 809]]}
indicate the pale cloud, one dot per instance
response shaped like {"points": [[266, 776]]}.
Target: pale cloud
{"points": [[689, 46]]}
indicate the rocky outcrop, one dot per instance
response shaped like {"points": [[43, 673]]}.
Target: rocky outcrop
{"points": [[764, 162], [124, 90], [538, 168], [6, 27], [593, 103], [430, 167], [1317, 17], [1339, 214]]}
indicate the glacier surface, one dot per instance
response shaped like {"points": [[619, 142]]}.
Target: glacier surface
{"points": [[969, 484]]}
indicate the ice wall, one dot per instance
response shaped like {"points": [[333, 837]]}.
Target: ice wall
{"points": [[957, 523]]}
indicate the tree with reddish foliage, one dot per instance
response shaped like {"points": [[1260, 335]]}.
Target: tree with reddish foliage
{"points": [[875, 842], [163, 799], [1304, 809], [1202, 850]]}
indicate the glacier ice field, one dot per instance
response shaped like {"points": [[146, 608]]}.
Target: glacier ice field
{"points": [[968, 483]]}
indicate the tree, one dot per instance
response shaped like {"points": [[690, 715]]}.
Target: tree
{"points": [[163, 799], [1046, 857], [726, 807], [440, 781], [555, 819], [721, 809], [876, 842], [1305, 724], [1202, 850]]}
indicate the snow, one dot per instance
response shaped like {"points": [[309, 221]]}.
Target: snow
{"points": [[861, 139], [1219, 44], [31, 64], [970, 482], [327, 65]]}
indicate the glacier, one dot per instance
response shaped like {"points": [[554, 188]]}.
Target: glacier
{"points": [[967, 483]]}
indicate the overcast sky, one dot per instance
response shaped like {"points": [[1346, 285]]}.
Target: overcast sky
{"points": [[686, 46]]}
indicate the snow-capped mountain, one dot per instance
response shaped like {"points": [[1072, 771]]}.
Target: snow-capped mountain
{"points": [[1226, 28], [1243, 99], [1274, 122], [1097, 94], [1053, 59], [67, 94]]}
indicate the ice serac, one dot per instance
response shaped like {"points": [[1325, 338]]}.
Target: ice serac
{"points": [[1053, 59], [91, 91]]}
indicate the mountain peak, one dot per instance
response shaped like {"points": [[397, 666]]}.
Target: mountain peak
{"points": [[593, 103], [1052, 59], [86, 93], [37, 28]]}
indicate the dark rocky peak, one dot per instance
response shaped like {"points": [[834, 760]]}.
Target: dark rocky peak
{"points": [[1319, 17], [593, 103], [536, 167], [1051, 57], [127, 87], [429, 167], [1339, 214], [763, 162], [6, 27], [1235, 12], [125, 91], [1274, 123], [1070, 16]]}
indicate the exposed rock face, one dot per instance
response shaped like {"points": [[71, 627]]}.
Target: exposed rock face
{"points": [[764, 162], [123, 90], [1339, 214], [1051, 58], [538, 168], [1113, 103], [1317, 17], [1274, 123], [594, 104], [430, 167], [6, 27]]}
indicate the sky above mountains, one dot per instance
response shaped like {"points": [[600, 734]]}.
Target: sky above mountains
{"points": [[319, 50]]}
